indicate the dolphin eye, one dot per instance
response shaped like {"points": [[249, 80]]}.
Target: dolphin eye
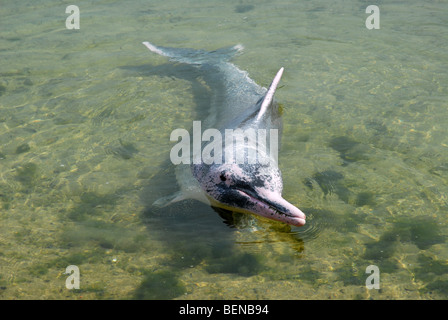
{"points": [[222, 177]]}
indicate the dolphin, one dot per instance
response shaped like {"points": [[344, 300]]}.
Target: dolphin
{"points": [[237, 102]]}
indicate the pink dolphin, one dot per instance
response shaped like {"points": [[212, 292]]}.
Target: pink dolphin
{"points": [[237, 103]]}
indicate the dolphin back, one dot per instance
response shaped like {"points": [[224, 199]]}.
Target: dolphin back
{"points": [[234, 95]]}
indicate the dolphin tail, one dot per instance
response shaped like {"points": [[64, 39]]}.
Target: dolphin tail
{"points": [[196, 57]]}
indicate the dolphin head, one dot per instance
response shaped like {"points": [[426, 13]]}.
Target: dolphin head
{"points": [[248, 188]]}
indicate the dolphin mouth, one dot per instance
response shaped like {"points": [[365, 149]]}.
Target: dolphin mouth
{"points": [[274, 207]]}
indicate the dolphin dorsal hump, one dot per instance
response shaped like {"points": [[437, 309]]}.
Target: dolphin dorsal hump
{"points": [[269, 97]]}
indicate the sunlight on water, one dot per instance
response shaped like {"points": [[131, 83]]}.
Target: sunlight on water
{"points": [[85, 123]]}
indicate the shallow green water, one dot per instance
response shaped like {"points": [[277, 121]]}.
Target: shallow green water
{"points": [[85, 119]]}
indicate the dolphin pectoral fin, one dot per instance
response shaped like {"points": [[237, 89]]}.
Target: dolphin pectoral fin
{"points": [[180, 196], [269, 96], [165, 201]]}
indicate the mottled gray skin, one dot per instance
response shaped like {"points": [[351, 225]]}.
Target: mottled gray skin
{"points": [[237, 102]]}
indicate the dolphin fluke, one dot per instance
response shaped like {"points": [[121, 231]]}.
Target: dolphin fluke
{"points": [[194, 56]]}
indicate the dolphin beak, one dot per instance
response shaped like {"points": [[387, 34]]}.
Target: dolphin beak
{"points": [[288, 213], [272, 205]]}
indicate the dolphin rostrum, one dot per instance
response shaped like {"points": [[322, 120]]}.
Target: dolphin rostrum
{"points": [[237, 102]]}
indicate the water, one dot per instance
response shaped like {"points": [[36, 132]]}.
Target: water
{"points": [[85, 119]]}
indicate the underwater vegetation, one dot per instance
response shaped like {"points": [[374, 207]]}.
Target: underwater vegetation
{"points": [[244, 264], [27, 174], [432, 271], [423, 232], [159, 285], [91, 204], [23, 148], [349, 150], [242, 8], [126, 150], [332, 182]]}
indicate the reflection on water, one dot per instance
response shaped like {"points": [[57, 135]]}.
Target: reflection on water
{"points": [[85, 120]]}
